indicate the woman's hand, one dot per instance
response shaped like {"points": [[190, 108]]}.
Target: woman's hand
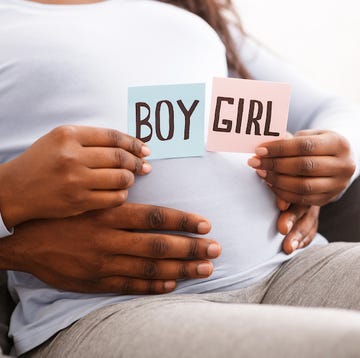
{"points": [[298, 223], [116, 250], [312, 168], [68, 171]]}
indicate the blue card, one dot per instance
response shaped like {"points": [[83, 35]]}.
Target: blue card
{"points": [[169, 119]]}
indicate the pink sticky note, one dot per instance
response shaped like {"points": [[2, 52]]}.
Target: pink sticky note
{"points": [[246, 113]]}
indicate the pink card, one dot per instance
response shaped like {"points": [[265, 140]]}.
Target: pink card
{"points": [[246, 113]]}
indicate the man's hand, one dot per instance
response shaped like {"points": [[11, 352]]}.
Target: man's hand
{"points": [[120, 250], [312, 168], [70, 170]]}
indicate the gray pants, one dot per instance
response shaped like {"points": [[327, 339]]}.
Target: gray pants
{"points": [[252, 322]]}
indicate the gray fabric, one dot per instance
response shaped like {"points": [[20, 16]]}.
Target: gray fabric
{"points": [[234, 324]]}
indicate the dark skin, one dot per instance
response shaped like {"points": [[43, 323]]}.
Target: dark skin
{"points": [[311, 168], [113, 250]]}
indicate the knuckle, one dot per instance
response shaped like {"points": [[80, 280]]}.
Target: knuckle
{"points": [[150, 269], [138, 164], [97, 242], [183, 271], [66, 160], [306, 146], [97, 264], [71, 181], [115, 137], [156, 218], [126, 285], [135, 146], [159, 247], [193, 248], [307, 165], [305, 187], [152, 289], [300, 234], [280, 149], [119, 157], [271, 164], [183, 223], [65, 132], [75, 198]]}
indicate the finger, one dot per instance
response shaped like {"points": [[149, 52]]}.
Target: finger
{"points": [[288, 218], [102, 199], [304, 166], [308, 239], [151, 217], [109, 179], [104, 137], [149, 269], [95, 157], [305, 185], [164, 246], [282, 204], [119, 285], [302, 229], [323, 143], [306, 200]]}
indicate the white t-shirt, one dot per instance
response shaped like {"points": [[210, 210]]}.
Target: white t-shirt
{"points": [[73, 64]]}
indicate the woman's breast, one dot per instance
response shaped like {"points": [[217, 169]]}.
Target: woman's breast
{"points": [[75, 67]]}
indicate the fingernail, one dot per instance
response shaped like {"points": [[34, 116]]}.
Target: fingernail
{"points": [[204, 269], [169, 285], [254, 162], [294, 244], [261, 173], [213, 250], [124, 195], [145, 151], [203, 227], [261, 151], [289, 226], [146, 168]]}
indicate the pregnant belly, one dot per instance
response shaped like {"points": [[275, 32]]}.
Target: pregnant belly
{"points": [[222, 188]]}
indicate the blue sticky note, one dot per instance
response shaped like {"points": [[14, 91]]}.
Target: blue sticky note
{"points": [[169, 119]]}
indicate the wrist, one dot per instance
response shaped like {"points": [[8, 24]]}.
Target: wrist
{"points": [[12, 213], [7, 254]]}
